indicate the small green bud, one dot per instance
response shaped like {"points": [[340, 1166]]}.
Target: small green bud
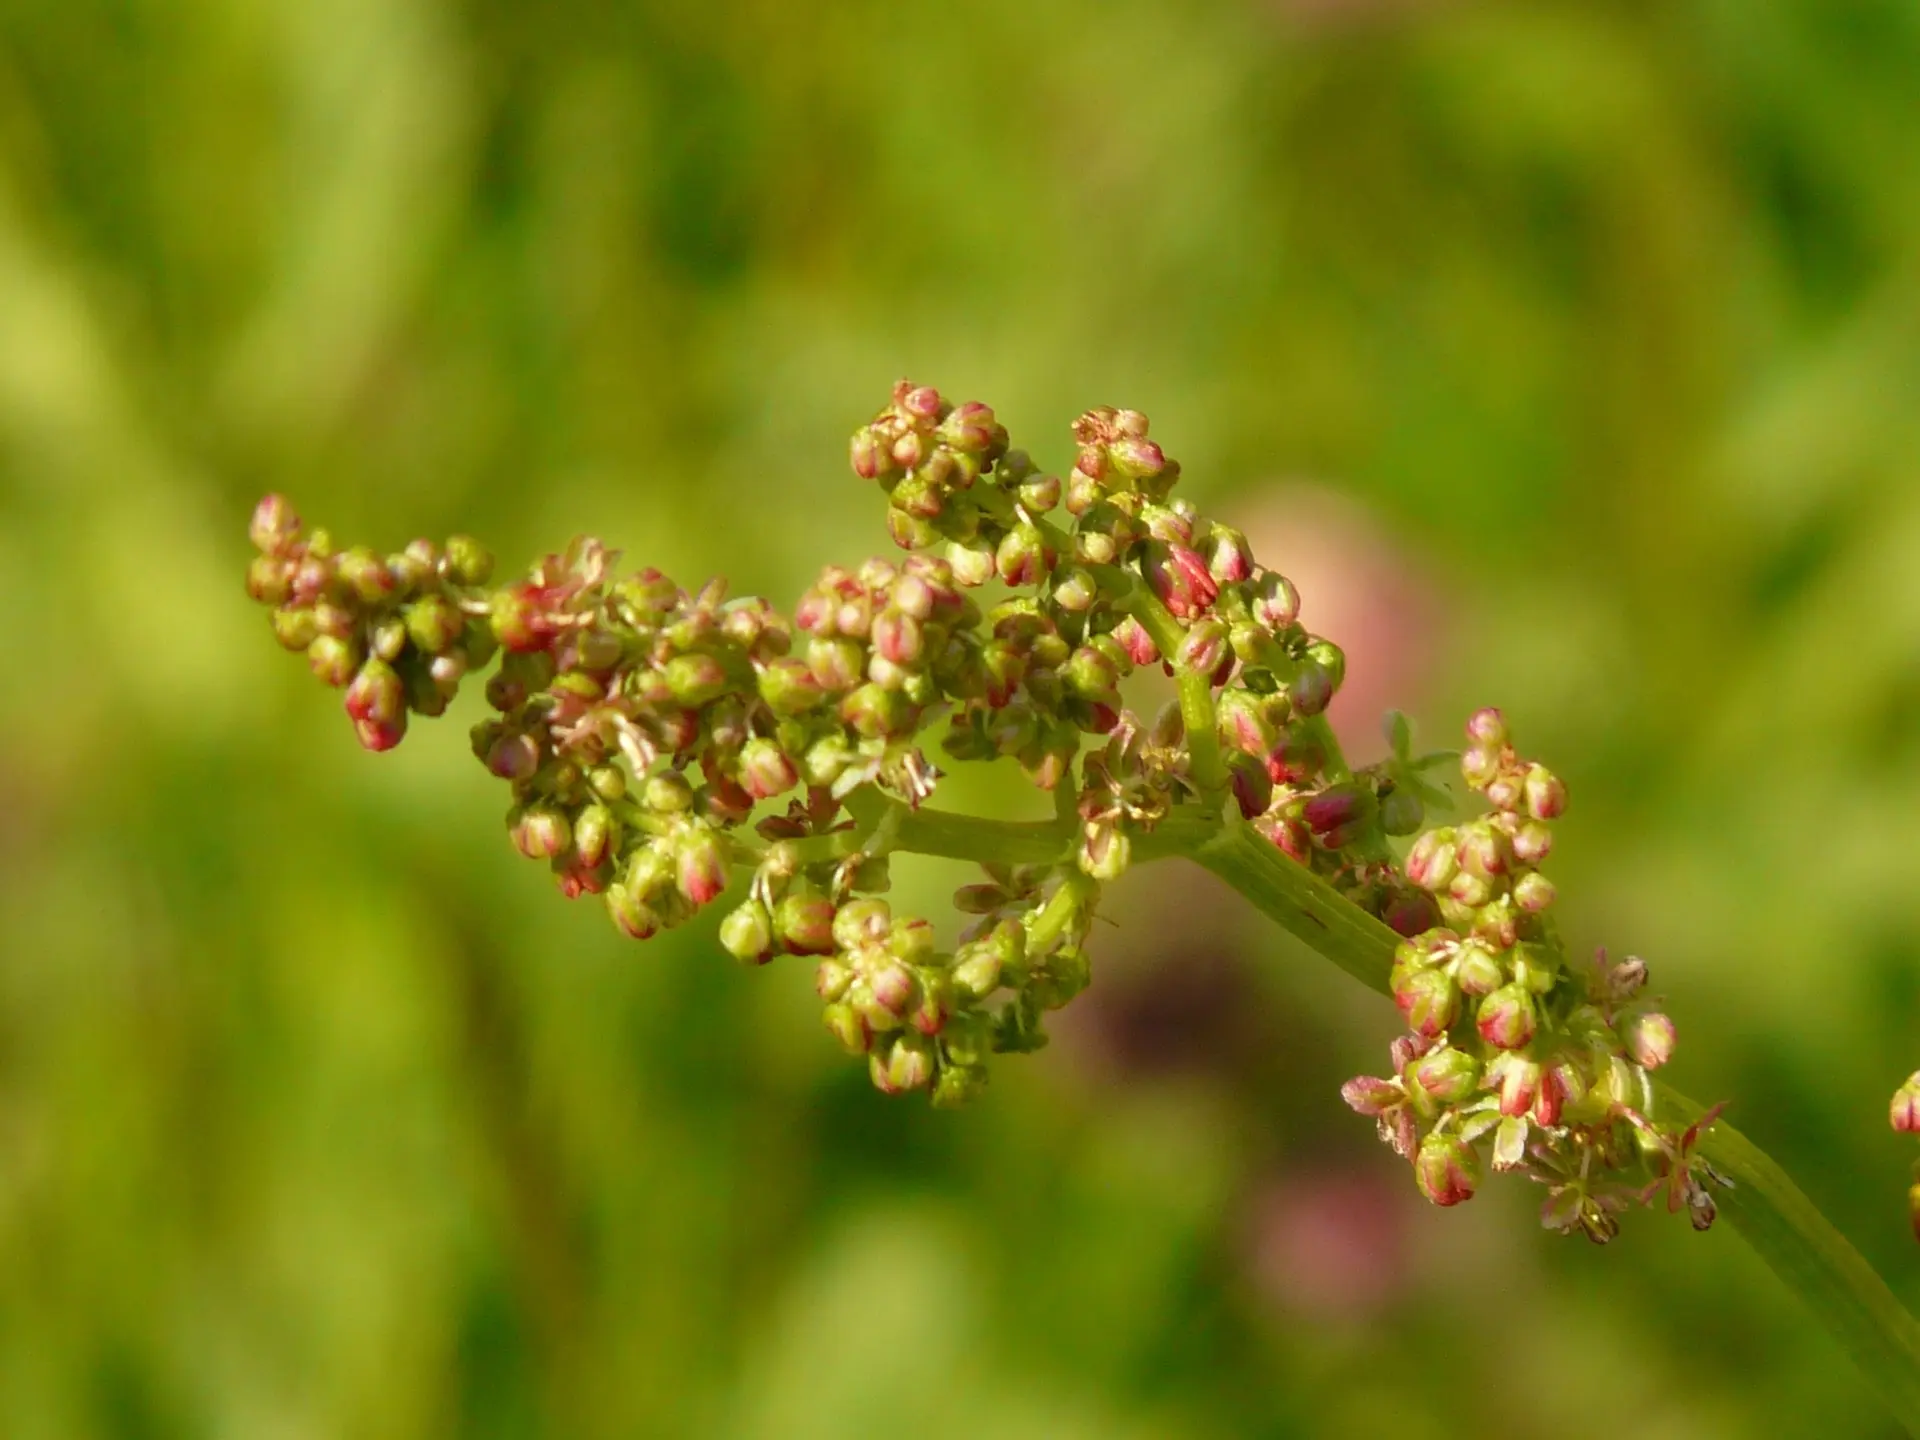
{"points": [[295, 627], [468, 561], [845, 1025], [804, 923], [904, 1063], [955, 1085], [333, 660], [1446, 1170], [667, 793], [747, 933], [694, 680]]}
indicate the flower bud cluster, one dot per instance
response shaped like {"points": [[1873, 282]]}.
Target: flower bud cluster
{"points": [[1509, 1052], [397, 633], [925, 1018], [644, 728], [1130, 576]]}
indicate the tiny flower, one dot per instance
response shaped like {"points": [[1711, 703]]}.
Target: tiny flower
{"points": [[1339, 805], [1650, 1040], [1428, 998], [1371, 1096], [1311, 689], [846, 1025], [1516, 1079], [1430, 863], [804, 923], [701, 872], [1443, 1076], [905, 1062], [274, 526], [1508, 1017], [1533, 892], [1487, 729], [1446, 1170], [1275, 603], [765, 771], [1181, 579], [542, 832], [747, 933], [1546, 795]]}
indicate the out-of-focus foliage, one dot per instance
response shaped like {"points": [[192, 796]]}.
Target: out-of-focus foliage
{"points": [[321, 1115]]}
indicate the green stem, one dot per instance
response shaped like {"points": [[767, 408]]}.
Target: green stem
{"points": [[1816, 1262], [1784, 1227]]}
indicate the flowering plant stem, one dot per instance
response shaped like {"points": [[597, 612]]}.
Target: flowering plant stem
{"points": [[662, 745]]}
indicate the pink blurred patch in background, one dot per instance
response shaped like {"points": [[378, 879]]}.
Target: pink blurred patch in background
{"points": [[1328, 1244], [1360, 588]]}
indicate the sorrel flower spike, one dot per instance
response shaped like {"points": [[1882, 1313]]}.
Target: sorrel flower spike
{"points": [[668, 748], [672, 749]]}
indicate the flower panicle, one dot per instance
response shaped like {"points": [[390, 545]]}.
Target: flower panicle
{"points": [[1512, 1055], [669, 749]]}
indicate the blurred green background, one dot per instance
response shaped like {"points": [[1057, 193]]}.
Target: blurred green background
{"points": [[1568, 353]]}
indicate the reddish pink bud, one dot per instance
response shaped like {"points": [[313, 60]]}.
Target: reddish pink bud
{"points": [[380, 735], [520, 619], [1290, 837], [1410, 912], [1430, 863], [1180, 578], [1905, 1113], [1446, 1171], [898, 638], [1297, 759], [1339, 805], [1533, 892], [1517, 1079], [892, 988], [1203, 650], [765, 770], [920, 401], [1138, 644], [1482, 851], [275, 525], [1532, 842], [1650, 1039], [701, 872], [1546, 795], [1428, 998], [1229, 558], [804, 923], [868, 454], [1552, 1096], [905, 1063], [1487, 729], [1244, 724], [1372, 1097], [1252, 789], [631, 913], [1444, 1076], [1508, 1017], [1479, 768], [377, 694], [542, 832], [1276, 603]]}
